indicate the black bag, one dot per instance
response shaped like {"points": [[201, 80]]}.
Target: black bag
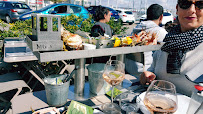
{"points": [[96, 31]]}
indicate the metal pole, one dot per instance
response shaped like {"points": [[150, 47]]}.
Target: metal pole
{"points": [[145, 6], [79, 81], [36, 2], [116, 4], [128, 4], [133, 4], [82, 2], [69, 1], [120, 57]]}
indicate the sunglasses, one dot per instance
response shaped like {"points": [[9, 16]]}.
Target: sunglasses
{"points": [[184, 4]]}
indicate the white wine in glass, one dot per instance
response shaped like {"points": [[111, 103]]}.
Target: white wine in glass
{"points": [[114, 77], [161, 97], [114, 74]]}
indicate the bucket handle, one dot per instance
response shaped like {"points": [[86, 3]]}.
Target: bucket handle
{"points": [[69, 76]]}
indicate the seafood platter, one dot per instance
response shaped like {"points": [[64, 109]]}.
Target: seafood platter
{"points": [[48, 45]]}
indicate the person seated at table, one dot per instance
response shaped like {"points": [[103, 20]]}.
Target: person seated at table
{"points": [[151, 25], [100, 28], [180, 60]]}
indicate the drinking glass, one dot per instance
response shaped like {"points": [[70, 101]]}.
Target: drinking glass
{"points": [[114, 74], [129, 102], [161, 97]]}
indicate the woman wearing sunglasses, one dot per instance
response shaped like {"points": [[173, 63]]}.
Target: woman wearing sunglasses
{"points": [[180, 60]]}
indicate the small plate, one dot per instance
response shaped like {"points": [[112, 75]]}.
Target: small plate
{"points": [[183, 103]]}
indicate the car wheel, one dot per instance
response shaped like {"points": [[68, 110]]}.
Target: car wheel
{"points": [[130, 23], [8, 19]]}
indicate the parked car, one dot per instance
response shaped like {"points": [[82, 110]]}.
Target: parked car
{"points": [[167, 18], [10, 11], [126, 16], [143, 18], [114, 13], [61, 9]]}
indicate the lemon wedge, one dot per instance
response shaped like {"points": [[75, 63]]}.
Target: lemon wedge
{"points": [[117, 42], [129, 40], [114, 74]]}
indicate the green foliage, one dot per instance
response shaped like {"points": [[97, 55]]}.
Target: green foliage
{"points": [[117, 27], [17, 29], [21, 27], [2, 24], [87, 24], [71, 23]]}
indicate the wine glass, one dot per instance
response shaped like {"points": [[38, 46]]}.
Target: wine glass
{"points": [[161, 97], [114, 74]]}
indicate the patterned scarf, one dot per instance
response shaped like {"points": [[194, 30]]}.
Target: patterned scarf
{"points": [[178, 43]]}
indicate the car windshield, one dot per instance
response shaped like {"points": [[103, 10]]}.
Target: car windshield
{"points": [[166, 14], [128, 12], [20, 6], [118, 11], [1, 4]]}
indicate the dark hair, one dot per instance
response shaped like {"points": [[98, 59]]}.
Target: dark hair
{"points": [[100, 11], [154, 12], [182, 0]]}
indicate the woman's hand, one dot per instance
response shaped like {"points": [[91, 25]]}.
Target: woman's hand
{"points": [[147, 77]]}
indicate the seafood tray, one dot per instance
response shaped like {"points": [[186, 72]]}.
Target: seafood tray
{"points": [[78, 54]]}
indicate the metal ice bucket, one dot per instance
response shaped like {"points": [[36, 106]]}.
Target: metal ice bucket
{"points": [[57, 94], [96, 81]]}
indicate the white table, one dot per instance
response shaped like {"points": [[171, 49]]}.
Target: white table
{"points": [[16, 50], [37, 100], [80, 56]]}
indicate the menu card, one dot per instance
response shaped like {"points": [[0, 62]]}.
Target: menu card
{"points": [[79, 108]]}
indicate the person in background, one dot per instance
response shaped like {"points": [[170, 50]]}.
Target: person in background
{"points": [[154, 18], [169, 26], [102, 16], [100, 28], [180, 60]]}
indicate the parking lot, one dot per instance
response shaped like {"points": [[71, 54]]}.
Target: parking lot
{"points": [[129, 30]]}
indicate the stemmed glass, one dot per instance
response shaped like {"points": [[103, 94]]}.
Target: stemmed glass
{"points": [[161, 97], [114, 74]]}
